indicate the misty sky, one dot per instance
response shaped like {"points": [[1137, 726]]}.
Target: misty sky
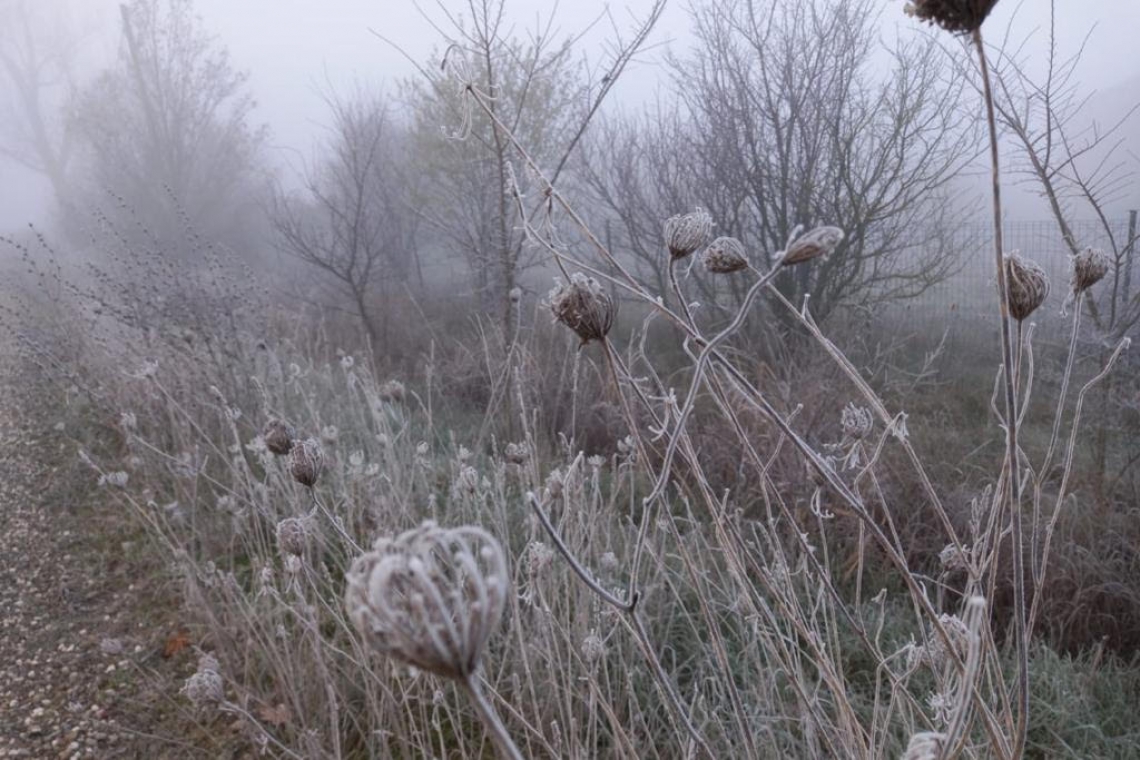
{"points": [[294, 49]]}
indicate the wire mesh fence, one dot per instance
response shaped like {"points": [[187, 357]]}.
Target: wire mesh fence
{"points": [[964, 307]]}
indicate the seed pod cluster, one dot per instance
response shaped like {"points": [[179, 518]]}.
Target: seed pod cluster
{"points": [[725, 255], [306, 462], [958, 16], [1089, 267], [1026, 285], [430, 597], [819, 242], [583, 306], [685, 233], [279, 436]]}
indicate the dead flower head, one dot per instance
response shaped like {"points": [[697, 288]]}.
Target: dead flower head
{"points": [[292, 535], [959, 16], [819, 242], [925, 745], [307, 461], [431, 597], [392, 391], [1027, 284], [857, 421], [685, 233], [278, 436], [583, 306], [725, 255], [1089, 267]]}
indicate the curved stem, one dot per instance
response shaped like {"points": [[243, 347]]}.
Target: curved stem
{"points": [[490, 719], [1013, 485]]}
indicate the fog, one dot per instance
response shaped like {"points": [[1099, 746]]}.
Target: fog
{"points": [[296, 54]]}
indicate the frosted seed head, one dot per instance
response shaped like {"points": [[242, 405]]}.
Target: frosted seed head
{"points": [[926, 745], [685, 233], [583, 306], [292, 536], [438, 618], [306, 462], [278, 436], [957, 16], [725, 255], [857, 421], [1089, 267], [1027, 286], [821, 241]]}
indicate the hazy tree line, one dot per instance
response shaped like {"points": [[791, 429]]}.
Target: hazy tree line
{"points": [[779, 114]]}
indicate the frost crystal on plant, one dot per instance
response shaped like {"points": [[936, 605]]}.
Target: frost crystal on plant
{"points": [[583, 306], [685, 233], [819, 242], [431, 597]]}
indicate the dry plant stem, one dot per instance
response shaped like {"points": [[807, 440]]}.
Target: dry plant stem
{"points": [[629, 609], [632, 285], [877, 405], [1047, 462], [490, 719], [583, 574], [1068, 468], [698, 378], [730, 537], [1019, 625]]}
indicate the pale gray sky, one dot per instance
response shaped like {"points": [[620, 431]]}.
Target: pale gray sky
{"points": [[292, 49]]}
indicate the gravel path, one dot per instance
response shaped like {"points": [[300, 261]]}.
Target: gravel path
{"points": [[76, 657]]}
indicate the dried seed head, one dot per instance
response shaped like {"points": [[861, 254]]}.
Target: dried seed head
{"points": [[609, 562], [430, 597], [205, 687], [539, 556], [330, 434], [857, 421], [517, 453], [926, 745], [819, 242], [278, 436], [1089, 267], [685, 233], [952, 558], [725, 255], [959, 16], [292, 536], [306, 462], [934, 653], [583, 306], [1027, 284], [393, 391], [593, 648]]}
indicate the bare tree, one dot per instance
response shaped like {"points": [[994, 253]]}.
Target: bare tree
{"points": [[167, 127], [37, 63], [355, 220], [1077, 164], [779, 121], [540, 93], [1078, 167]]}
